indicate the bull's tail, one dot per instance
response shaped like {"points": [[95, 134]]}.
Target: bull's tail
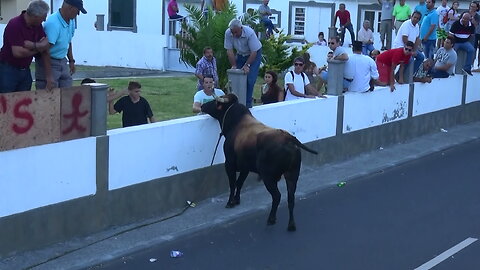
{"points": [[301, 145]]}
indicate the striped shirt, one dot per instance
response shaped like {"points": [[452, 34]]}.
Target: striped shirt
{"points": [[205, 67]]}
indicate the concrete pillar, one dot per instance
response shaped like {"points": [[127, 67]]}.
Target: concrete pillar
{"points": [[336, 69], [408, 72], [238, 83], [461, 59], [100, 22], [98, 124], [332, 32]]}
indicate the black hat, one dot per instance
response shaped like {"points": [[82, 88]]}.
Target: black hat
{"points": [[78, 4]]}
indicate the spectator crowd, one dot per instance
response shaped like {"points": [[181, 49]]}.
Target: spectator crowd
{"points": [[427, 44]]}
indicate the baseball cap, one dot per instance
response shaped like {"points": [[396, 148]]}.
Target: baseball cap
{"points": [[78, 4]]}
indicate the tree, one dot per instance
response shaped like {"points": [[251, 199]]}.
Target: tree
{"points": [[209, 31]]}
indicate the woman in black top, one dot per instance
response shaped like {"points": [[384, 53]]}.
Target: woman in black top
{"points": [[271, 92]]}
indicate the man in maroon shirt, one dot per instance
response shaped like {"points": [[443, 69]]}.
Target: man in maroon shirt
{"points": [[389, 60], [345, 22], [22, 39]]}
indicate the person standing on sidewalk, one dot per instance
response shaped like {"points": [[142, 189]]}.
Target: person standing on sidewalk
{"points": [[386, 24], [23, 38], [60, 28]]}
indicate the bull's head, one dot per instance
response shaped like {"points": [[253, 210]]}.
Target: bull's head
{"points": [[216, 108]]}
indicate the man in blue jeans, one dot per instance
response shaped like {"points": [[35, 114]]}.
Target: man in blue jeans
{"points": [[265, 11], [248, 56], [428, 33], [462, 30], [23, 38], [445, 60]]}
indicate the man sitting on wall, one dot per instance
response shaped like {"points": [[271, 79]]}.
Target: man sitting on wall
{"points": [[445, 60], [461, 30]]}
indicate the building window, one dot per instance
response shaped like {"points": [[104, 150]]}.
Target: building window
{"points": [[374, 16], [299, 22], [122, 15]]}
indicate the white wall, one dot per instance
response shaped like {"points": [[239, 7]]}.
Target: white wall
{"points": [[47, 174], [473, 88], [364, 110], [177, 146], [438, 95]]}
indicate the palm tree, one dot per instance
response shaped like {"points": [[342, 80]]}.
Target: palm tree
{"points": [[209, 31]]}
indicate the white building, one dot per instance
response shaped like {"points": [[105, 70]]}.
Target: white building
{"points": [[134, 33]]}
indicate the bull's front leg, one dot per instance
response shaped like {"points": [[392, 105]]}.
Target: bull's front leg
{"points": [[231, 173]]}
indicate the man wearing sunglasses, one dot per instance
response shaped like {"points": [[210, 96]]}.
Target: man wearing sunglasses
{"points": [[297, 84], [60, 28], [388, 61], [410, 31]]}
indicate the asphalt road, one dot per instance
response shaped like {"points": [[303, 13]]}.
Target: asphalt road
{"points": [[415, 215]]}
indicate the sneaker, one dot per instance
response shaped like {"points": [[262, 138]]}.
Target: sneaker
{"points": [[383, 48], [467, 71]]}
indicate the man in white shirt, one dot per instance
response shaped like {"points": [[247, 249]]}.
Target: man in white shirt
{"points": [[296, 82], [206, 94], [365, 35], [410, 31], [361, 70]]}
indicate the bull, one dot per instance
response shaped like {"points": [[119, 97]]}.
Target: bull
{"points": [[251, 146]]}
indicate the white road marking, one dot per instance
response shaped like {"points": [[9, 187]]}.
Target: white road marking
{"points": [[445, 255]]}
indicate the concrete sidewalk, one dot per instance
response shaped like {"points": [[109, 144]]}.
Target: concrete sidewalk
{"points": [[121, 241]]}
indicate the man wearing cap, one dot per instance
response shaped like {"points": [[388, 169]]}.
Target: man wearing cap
{"points": [[23, 38], [60, 28]]}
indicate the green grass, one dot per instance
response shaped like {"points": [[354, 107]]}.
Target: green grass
{"points": [[169, 98]]}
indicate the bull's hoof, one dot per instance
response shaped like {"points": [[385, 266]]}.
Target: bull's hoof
{"points": [[236, 201], [271, 221], [292, 227], [230, 205]]}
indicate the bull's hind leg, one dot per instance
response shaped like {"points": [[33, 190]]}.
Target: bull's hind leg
{"points": [[291, 179], [241, 179], [271, 185]]}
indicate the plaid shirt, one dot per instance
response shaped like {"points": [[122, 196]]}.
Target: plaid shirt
{"points": [[205, 67]]}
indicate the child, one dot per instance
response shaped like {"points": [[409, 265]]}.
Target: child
{"points": [[271, 92], [321, 40], [135, 108]]}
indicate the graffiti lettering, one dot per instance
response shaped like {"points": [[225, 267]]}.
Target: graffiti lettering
{"points": [[75, 115], [19, 113]]}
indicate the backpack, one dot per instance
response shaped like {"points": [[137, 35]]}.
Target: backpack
{"points": [[293, 77]]}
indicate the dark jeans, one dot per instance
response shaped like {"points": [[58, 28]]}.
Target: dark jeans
{"points": [[14, 79], [439, 73], [268, 25], [350, 29], [252, 75]]}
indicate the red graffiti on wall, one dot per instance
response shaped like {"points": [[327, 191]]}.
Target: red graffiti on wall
{"points": [[3, 104], [75, 115], [22, 114]]}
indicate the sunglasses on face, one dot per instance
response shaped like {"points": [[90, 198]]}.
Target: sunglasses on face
{"points": [[408, 49], [298, 64], [331, 43]]}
